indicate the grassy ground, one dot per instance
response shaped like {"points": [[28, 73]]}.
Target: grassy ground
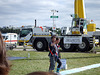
{"points": [[97, 49], [39, 61]]}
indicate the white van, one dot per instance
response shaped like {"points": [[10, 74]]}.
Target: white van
{"points": [[10, 39]]}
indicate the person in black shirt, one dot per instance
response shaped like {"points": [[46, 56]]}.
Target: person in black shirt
{"points": [[52, 52]]}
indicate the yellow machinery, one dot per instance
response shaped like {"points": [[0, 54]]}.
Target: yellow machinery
{"points": [[91, 27], [79, 8], [80, 25], [82, 30]]}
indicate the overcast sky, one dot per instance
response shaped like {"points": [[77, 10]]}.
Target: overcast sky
{"points": [[24, 12]]}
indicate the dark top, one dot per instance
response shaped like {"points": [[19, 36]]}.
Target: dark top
{"points": [[52, 48]]}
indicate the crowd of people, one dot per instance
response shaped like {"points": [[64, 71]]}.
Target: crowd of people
{"points": [[54, 56]]}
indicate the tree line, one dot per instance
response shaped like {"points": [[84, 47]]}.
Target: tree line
{"points": [[12, 30], [9, 30]]}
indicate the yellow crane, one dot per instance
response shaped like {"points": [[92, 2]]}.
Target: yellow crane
{"points": [[81, 36], [80, 24], [79, 8]]}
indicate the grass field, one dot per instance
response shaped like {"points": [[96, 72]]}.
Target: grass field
{"points": [[39, 61]]}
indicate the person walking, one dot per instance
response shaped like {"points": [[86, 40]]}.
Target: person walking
{"points": [[58, 53], [52, 52]]}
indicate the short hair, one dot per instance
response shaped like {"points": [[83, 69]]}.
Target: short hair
{"points": [[54, 36], [57, 38]]}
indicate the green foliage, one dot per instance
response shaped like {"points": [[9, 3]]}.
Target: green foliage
{"points": [[98, 28], [58, 30], [9, 30]]}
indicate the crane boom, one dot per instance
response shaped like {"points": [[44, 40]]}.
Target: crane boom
{"points": [[79, 9]]}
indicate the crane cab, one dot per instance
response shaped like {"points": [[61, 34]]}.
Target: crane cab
{"points": [[78, 26]]}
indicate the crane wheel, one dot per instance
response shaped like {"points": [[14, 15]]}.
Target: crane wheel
{"points": [[40, 45], [67, 47], [84, 46]]}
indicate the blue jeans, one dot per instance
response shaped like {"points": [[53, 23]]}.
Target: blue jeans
{"points": [[52, 63]]}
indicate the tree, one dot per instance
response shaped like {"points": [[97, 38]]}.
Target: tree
{"points": [[98, 28], [58, 30], [9, 30]]}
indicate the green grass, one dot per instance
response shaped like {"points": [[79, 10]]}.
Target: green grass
{"points": [[97, 49], [39, 61]]}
